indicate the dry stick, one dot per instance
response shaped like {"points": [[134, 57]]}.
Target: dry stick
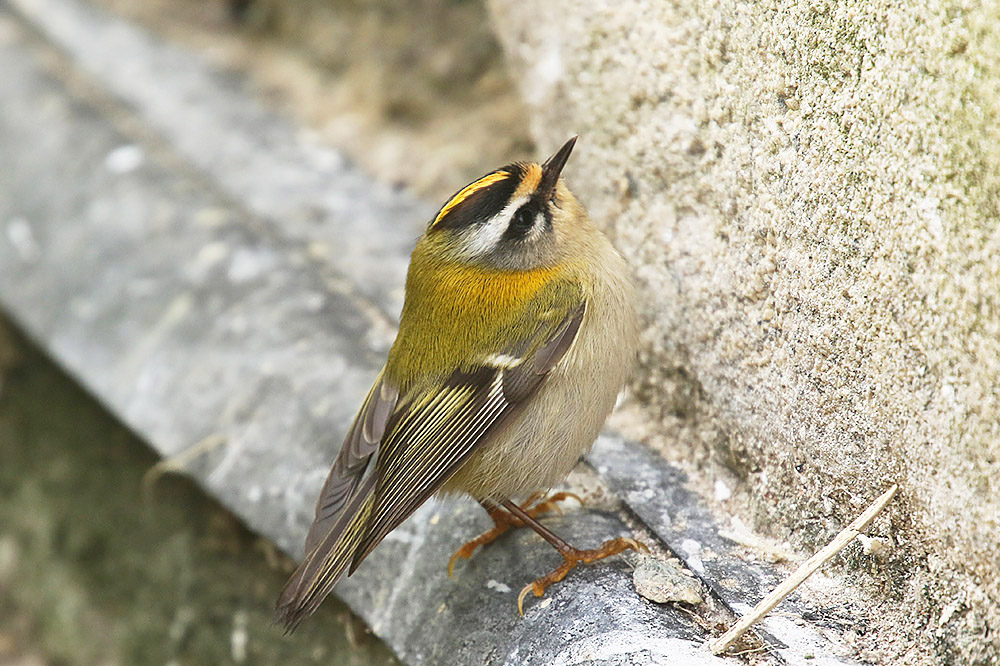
{"points": [[807, 569], [177, 463]]}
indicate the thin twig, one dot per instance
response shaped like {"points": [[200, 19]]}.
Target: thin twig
{"points": [[177, 463], [807, 569]]}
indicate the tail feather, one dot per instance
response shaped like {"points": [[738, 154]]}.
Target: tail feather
{"points": [[326, 562]]}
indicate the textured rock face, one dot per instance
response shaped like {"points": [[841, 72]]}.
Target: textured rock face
{"points": [[809, 195]]}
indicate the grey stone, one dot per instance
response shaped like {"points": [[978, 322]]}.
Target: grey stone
{"points": [[665, 581]]}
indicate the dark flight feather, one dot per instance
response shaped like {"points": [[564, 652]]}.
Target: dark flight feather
{"points": [[359, 446]]}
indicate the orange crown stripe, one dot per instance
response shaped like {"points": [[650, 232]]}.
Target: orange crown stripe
{"points": [[468, 190]]}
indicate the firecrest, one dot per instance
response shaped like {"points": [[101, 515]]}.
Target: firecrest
{"points": [[517, 333]]}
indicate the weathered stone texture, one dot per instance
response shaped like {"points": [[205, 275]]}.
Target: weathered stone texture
{"points": [[809, 195]]}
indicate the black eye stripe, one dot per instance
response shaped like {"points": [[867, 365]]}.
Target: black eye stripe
{"points": [[521, 222]]}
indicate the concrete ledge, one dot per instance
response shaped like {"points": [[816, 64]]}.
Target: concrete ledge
{"points": [[214, 277]]}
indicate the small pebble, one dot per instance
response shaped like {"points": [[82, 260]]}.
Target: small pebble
{"points": [[498, 586], [665, 581], [124, 159], [877, 547]]}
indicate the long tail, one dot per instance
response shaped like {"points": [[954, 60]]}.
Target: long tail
{"points": [[326, 562]]}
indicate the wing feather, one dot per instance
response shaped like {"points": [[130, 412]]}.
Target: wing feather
{"points": [[359, 446], [324, 564], [415, 461]]}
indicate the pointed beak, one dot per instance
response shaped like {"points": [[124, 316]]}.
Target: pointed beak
{"points": [[553, 167]]}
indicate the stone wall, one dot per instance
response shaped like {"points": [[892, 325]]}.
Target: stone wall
{"points": [[808, 193]]}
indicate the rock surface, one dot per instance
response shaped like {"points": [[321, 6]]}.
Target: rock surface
{"points": [[809, 195]]}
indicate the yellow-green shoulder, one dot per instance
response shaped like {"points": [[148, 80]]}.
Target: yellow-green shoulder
{"points": [[455, 315]]}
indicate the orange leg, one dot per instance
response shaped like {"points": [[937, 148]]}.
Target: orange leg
{"points": [[571, 556], [575, 556], [504, 520]]}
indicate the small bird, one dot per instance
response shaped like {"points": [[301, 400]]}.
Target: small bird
{"points": [[517, 333]]}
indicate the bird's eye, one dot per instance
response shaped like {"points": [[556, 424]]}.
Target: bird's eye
{"points": [[521, 223]]}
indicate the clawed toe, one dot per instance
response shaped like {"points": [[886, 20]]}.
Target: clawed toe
{"points": [[526, 516], [550, 504], [503, 521], [574, 556]]}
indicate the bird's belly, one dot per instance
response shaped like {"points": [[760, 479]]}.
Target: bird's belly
{"points": [[559, 424], [537, 450]]}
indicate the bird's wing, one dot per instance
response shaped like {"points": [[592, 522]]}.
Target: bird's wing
{"points": [[359, 446], [419, 439], [434, 431], [344, 503]]}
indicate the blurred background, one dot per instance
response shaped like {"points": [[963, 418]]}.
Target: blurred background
{"points": [[417, 92], [102, 562]]}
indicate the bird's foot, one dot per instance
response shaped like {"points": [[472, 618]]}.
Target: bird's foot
{"points": [[572, 557], [536, 506], [503, 521]]}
